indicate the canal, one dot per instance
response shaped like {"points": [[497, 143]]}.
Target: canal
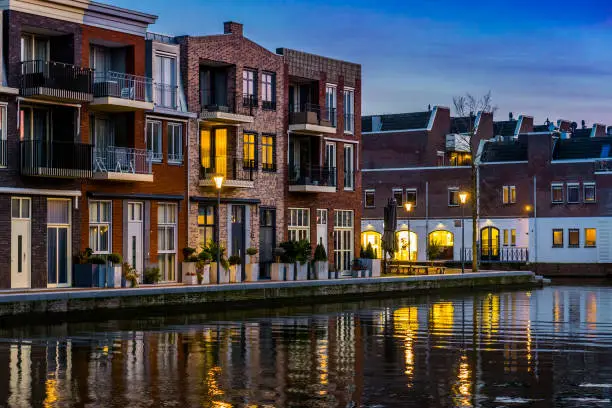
{"points": [[540, 348]]}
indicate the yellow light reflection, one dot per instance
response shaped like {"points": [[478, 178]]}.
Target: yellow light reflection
{"points": [[406, 323], [529, 356], [442, 318], [213, 388], [463, 386], [51, 393], [490, 316], [591, 311]]}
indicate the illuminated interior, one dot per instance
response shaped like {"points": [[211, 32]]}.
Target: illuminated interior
{"points": [[445, 240], [406, 239], [460, 159], [373, 238]]}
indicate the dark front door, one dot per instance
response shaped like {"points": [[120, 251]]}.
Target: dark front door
{"points": [[238, 233], [267, 241]]}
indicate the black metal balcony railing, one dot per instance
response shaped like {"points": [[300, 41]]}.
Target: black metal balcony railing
{"points": [[308, 175], [312, 114], [56, 75], [55, 159], [349, 122], [268, 105], [3, 153], [504, 254], [124, 86], [271, 167], [166, 96], [228, 102], [249, 100], [603, 166], [115, 159], [232, 168]]}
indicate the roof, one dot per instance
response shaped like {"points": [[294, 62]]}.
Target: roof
{"points": [[541, 128], [395, 121], [581, 133], [504, 128], [583, 148], [515, 150], [462, 124]]}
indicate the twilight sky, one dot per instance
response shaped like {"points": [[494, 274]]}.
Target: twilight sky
{"points": [[544, 58]]}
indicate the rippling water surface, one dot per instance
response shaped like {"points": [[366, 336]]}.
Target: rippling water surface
{"points": [[549, 347]]}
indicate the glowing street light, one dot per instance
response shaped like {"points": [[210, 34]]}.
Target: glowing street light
{"points": [[218, 183], [408, 207], [463, 199]]}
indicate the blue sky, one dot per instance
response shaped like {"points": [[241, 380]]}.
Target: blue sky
{"points": [[545, 58]]}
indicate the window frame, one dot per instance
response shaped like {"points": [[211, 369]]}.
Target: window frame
{"points": [[163, 226], [559, 186], [365, 198], [97, 223], [331, 102], [298, 231], [509, 194], [249, 96], [576, 187], [3, 136], [205, 225], [411, 190], [173, 157], [506, 238], [569, 237], [249, 163], [349, 114], [454, 190], [267, 166], [560, 245], [349, 172], [590, 184], [513, 237], [156, 157], [586, 245], [401, 191], [268, 90]]}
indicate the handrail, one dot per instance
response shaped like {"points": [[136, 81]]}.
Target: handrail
{"points": [[57, 75], [55, 158], [232, 168], [307, 174], [122, 85], [115, 159]]}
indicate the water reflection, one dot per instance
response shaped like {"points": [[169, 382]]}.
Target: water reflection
{"points": [[548, 347]]}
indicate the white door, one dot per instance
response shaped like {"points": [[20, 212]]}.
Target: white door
{"points": [[322, 228], [20, 243], [135, 231]]}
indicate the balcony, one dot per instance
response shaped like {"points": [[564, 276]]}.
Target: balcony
{"points": [[458, 143], [311, 119], [603, 166], [312, 179], [237, 172], [55, 159], [56, 81], [122, 164], [116, 91], [219, 107]]}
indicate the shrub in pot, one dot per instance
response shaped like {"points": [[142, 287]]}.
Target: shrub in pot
{"points": [[235, 263], [303, 252], [215, 249], [321, 267], [251, 252], [280, 270], [114, 275], [130, 275], [152, 275], [88, 270], [251, 274], [289, 258], [188, 267]]}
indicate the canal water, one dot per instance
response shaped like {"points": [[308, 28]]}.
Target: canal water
{"points": [[540, 348]]}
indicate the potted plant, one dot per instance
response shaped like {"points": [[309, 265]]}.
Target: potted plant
{"points": [[113, 271], [89, 270], [203, 267], [280, 270], [214, 249], [374, 262], [358, 268], [130, 275], [188, 266], [152, 275], [235, 263], [288, 259], [303, 253], [321, 266], [252, 268]]}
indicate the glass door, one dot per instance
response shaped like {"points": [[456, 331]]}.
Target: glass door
{"points": [[489, 241], [58, 243]]}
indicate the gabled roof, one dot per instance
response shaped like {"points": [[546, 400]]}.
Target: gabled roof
{"points": [[396, 121], [516, 150], [462, 124], [504, 128], [583, 148]]}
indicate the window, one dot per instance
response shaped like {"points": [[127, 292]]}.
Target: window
{"points": [[268, 90], [513, 237], [166, 240], [249, 159], [343, 239], [506, 241], [440, 159], [20, 208], [35, 49], [166, 86], [100, 226], [249, 87], [589, 193], [369, 198], [206, 223], [590, 237], [453, 197], [154, 140], [557, 238], [349, 167], [573, 193], [509, 237], [374, 239], [459, 159], [411, 196], [299, 224], [399, 196], [330, 103], [349, 106], [3, 143], [175, 142], [574, 238], [556, 193], [330, 162], [509, 194], [268, 153]]}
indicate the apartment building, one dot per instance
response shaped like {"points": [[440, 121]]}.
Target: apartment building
{"points": [[323, 128], [237, 89]]}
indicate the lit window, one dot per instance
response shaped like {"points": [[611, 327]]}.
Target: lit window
{"points": [[590, 237], [505, 237], [574, 237], [509, 194], [372, 238], [206, 223], [557, 193], [557, 238], [573, 193], [589, 193], [100, 226], [411, 196], [369, 198], [268, 152], [513, 237], [249, 141]]}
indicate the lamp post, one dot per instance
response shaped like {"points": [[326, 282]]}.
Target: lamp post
{"points": [[408, 207], [463, 199], [218, 184]]}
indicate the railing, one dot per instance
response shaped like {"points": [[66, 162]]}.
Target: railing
{"points": [[232, 168], [226, 102], [166, 96], [268, 167], [114, 159], [308, 175], [603, 166], [268, 105], [55, 159], [56, 75], [349, 122], [309, 113], [175, 157], [504, 254], [249, 100], [124, 86], [163, 38], [349, 180], [3, 153]]}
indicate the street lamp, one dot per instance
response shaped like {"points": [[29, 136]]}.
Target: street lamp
{"points": [[463, 199], [218, 183], [408, 207]]}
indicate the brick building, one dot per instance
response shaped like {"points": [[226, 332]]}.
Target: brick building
{"points": [[323, 128], [525, 176]]}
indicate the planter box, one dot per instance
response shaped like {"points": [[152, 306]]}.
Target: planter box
{"points": [[188, 273], [252, 272], [113, 276], [281, 271], [89, 276], [235, 274], [375, 269], [321, 270], [224, 278], [205, 274], [301, 272]]}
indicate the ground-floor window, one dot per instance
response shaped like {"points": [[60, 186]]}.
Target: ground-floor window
{"points": [[206, 224], [441, 245], [372, 238], [58, 242], [166, 240], [343, 239], [100, 228], [299, 224], [407, 244]]}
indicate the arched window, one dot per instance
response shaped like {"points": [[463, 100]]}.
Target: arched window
{"points": [[489, 244], [407, 244], [373, 238], [441, 244]]}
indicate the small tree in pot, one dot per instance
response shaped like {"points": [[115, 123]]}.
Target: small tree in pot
{"points": [[278, 270], [114, 274], [130, 275], [252, 268], [188, 267], [235, 262], [203, 267], [289, 258], [215, 249], [321, 266], [303, 254], [152, 275]]}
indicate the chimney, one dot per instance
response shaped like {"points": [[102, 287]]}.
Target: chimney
{"points": [[510, 116], [231, 27], [599, 130]]}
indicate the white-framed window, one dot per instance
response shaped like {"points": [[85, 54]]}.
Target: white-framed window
{"points": [[440, 159], [509, 194], [369, 196], [349, 110], [590, 237], [330, 162], [573, 193], [321, 217], [411, 196], [398, 194], [299, 224], [556, 193], [343, 239], [349, 167], [268, 90], [330, 103], [166, 240], [509, 237], [21, 208], [34, 48], [166, 87], [248, 83], [100, 226], [453, 196], [175, 142], [154, 139], [3, 138], [589, 195]]}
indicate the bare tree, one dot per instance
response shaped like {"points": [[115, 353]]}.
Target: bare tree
{"points": [[467, 108]]}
